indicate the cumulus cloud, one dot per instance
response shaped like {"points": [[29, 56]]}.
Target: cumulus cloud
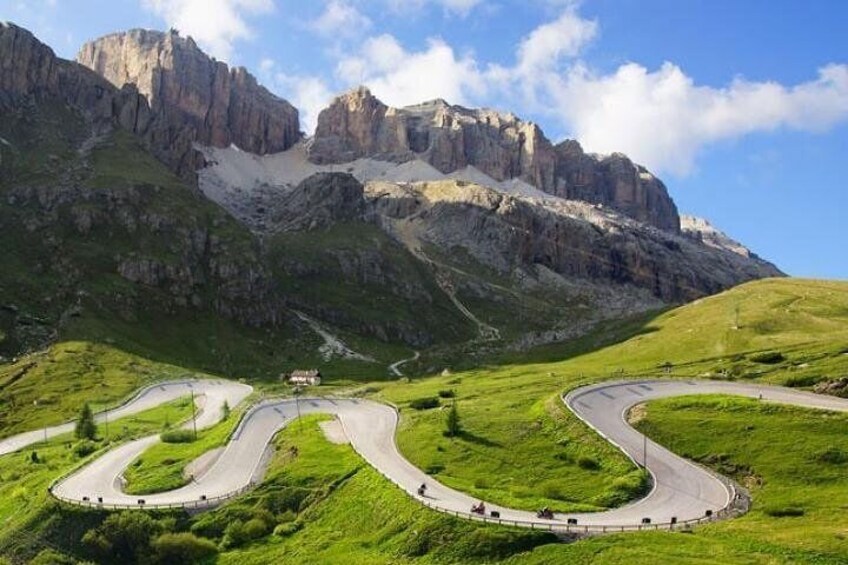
{"points": [[546, 45], [340, 18], [663, 118], [451, 7], [399, 77], [310, 94], [214, 24], [660, 117]]}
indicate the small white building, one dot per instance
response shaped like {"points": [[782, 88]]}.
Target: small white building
{"points": [[312, 377]]}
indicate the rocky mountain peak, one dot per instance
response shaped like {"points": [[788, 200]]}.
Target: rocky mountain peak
{"points": [[704, 232], [221, 106], [501, 145]]}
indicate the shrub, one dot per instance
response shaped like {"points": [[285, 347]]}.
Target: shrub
{"points": [[49, 557], [85, 448], [255, 528], [588, 463], [123, 537], [286, 529], [768, 357], [832, 455], [784, 511], [802, 380], [177, 436], [424, 403], [234, 535], [183, 548], [450, 393]]}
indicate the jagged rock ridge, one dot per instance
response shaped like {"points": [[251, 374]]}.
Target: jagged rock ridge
{"points": [[449, 138], [199, 97], [704, 232]]}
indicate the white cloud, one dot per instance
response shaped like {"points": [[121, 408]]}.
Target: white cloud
{"points": [[340, 18], [400, 78], [451, 7], [663, 118], [309, 94], [660, 117], [546, 45], [214, 24]]}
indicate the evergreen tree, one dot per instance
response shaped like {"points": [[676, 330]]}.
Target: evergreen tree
{"points": [[86, 428], [453, 427]]}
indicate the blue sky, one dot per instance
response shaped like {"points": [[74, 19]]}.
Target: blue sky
{"points": [[741, 107]]}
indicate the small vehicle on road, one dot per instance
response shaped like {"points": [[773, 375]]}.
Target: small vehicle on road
{"points": [[545, 513], [479, 508]]}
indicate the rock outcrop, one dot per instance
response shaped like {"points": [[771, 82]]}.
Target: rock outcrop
{"points": [[573, 240], [320, 201], [704, 232], [614, 181], [504, 147], [28, 68], [199, 98]]}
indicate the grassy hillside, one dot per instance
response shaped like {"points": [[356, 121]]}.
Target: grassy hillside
{"points": [[523, 448], [104, 244], [794, 461], [25, 505]]}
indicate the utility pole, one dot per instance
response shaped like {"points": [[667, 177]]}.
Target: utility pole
{"points": [[645, 452], [297, 405], [193, 414]]}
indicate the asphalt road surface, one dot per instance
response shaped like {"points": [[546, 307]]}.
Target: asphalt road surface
{"points": [[209, 394], [681, 489]]}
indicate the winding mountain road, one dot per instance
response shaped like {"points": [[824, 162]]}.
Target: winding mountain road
{"points": [[681, 489]]}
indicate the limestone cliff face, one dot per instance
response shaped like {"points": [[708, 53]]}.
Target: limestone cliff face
{"points": [[616, 181], [199, 98], [28, 68], [504, 147], [573, 240]]}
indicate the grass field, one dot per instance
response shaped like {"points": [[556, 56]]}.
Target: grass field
{"points": [[337, 509], [49, 387], [160, 468], [24, 481], [794, 461], [524, 449], [521, 447]]}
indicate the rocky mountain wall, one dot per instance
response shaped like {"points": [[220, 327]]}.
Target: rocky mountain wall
{"points": [[30, 68], [504, 147], [220, 106]]}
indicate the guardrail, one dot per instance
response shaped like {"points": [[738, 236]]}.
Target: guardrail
{"points": [[200, 503], [738, 502], [727, 512]]}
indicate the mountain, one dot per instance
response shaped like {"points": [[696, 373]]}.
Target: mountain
{"points": [[502, 146], [455, 231], [199, 98], [703, 231]]}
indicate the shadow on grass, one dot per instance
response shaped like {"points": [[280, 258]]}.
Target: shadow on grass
{"points": [[474, 438]]}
